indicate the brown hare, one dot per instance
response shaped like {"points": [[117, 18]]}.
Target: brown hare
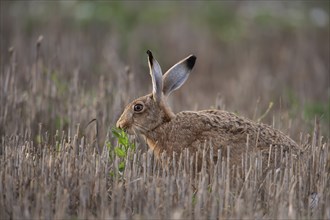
{"points": [[167, 132]]}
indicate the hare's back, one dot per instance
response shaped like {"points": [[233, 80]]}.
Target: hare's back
{"points": [[227, 128], [221, 129]]}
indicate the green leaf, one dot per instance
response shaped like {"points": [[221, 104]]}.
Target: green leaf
{"points": [[123, 141], [116, 133], [120, 152], [121, 166]]}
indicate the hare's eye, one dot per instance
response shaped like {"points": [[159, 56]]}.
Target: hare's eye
{"points": [[138, 107]]}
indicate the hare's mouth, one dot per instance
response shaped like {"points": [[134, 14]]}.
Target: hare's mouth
{"points": [[129, 131]]}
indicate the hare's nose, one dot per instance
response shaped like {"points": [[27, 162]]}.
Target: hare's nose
{"points": [[121, 124], [125, 121]]}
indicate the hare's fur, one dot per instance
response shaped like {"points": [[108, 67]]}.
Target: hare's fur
{"points": [[167, 132]]}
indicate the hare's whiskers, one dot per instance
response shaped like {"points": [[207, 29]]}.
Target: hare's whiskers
{"points": [[140, 127]]}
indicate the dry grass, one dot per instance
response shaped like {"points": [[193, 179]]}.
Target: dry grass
{"points": [[52, 86], [70, 179]]}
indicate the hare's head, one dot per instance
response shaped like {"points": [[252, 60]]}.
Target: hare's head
{"points": [[148, 112]]}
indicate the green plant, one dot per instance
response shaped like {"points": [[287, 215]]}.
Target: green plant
{"points": [[123, 146]]}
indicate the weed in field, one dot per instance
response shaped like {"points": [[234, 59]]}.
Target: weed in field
{"points": [[123, 146]]}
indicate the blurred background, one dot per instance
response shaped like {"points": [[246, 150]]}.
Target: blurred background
{"points": [[64, 63]]}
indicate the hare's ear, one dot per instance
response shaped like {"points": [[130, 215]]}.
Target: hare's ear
{"points": [[156, 76], [175, 77]]}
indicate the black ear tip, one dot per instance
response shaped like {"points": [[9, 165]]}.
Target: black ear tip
{"points": [[150, 56], [191, 61]]}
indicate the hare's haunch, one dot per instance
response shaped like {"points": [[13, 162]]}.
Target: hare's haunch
{"points": [[167, 132]]}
